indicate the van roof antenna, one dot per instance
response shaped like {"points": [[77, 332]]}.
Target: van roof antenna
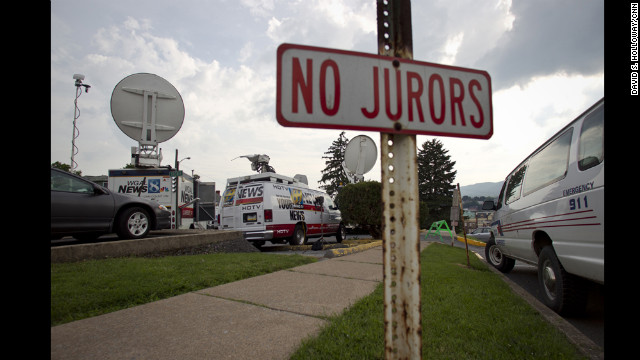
{"points": [[259, 163]]}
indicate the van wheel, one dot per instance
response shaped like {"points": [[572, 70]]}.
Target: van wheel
{"points": [[496, 258], [299, 236], [342, 233], [564, 293]]}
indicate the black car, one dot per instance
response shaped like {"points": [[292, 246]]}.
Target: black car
{"points": [[86, 210]]}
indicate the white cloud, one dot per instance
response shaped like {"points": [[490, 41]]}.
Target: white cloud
{"points": [[524, 117], [221, 57]]}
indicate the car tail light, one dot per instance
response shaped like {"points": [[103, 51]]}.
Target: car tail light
{"points": [[268, 215]]}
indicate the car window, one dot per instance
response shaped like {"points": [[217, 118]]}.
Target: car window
{"points": [[66, 182], [515, 183], [591, 144], [501, 196], [328, 203], [549, 164]]}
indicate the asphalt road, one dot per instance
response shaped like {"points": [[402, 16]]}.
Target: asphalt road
{"points": [[285, 249]]}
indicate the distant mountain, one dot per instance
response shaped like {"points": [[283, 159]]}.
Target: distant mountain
{"points": [[481, 189]]}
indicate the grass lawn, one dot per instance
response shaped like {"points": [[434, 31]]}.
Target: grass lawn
{"points": [[88, 288], [467, 313]]}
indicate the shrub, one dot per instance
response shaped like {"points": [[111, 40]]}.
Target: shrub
{"points": [[361, 204]]}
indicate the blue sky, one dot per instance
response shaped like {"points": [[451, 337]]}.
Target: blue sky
{"points": [[545, 59]]}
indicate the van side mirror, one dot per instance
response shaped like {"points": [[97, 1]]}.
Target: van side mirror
{"points": [[489, 205]]}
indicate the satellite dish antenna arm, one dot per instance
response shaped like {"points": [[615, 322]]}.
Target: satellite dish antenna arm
{"points": [[259, 162], [350, 176]]}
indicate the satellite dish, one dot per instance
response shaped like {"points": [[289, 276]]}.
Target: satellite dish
{"points": [[133, 111], [359, 156], [148, 109]]}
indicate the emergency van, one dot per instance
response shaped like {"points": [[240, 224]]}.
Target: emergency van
{"points": [[550, 213], [276, 208]]}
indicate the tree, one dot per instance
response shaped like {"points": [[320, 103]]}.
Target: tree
{"points": [[65, 167], [361, 204], [435, 179], [333, 175]]}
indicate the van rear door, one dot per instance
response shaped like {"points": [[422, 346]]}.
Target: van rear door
{"points": [[227, 209], [249, 206]]}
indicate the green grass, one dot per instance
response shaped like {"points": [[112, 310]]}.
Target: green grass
{"points": [[467, 313], [89, 288]]}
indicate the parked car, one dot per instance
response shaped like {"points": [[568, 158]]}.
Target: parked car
{"points": [[86, 210], [481, 234]]}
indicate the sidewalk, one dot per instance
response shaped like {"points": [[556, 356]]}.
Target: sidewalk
{"points": [[263, 317]]}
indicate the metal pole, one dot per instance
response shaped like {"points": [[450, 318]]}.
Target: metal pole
{"points": [[464, 228], [400, 235], [74, 148]]}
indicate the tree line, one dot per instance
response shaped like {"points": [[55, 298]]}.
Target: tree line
{"points": [[361, 203]]}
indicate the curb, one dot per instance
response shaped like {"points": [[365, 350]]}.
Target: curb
{"points": [[471, 242], [167, 240], [332, 253]]}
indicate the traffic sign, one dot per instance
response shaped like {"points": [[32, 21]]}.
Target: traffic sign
{"points": [[337, 89]]}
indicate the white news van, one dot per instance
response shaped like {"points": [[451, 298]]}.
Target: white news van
{"points": [[550, 213], [175, 191], [276, 208]]}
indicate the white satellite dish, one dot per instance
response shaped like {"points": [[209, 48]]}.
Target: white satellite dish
{"points": [[359, 157], [148, 109]]}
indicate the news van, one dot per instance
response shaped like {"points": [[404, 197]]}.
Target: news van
{"points": [[276, 208], [550, 213]]}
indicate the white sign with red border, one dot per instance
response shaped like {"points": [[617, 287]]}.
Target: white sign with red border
{"points": [[336, 89]]}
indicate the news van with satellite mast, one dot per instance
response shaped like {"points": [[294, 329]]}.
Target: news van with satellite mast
{"points": [[271, 207], [550, 213]]}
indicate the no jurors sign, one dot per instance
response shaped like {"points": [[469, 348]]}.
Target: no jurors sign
{"points": [[336, 89]]}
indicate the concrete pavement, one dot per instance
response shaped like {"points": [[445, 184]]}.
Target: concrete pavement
{"points": [[263, 317]]}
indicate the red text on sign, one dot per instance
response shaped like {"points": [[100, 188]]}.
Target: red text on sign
{"points": [[329, 106], [415, 91], [443, 95]]}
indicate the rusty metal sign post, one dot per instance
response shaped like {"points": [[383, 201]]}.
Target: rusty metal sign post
{"points": [[400, 229]]}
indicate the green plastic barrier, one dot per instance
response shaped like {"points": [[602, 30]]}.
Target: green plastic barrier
{"points": [[438, 225]]}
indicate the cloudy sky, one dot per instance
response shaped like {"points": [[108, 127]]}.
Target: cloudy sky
{"points": [[545, 59]]}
